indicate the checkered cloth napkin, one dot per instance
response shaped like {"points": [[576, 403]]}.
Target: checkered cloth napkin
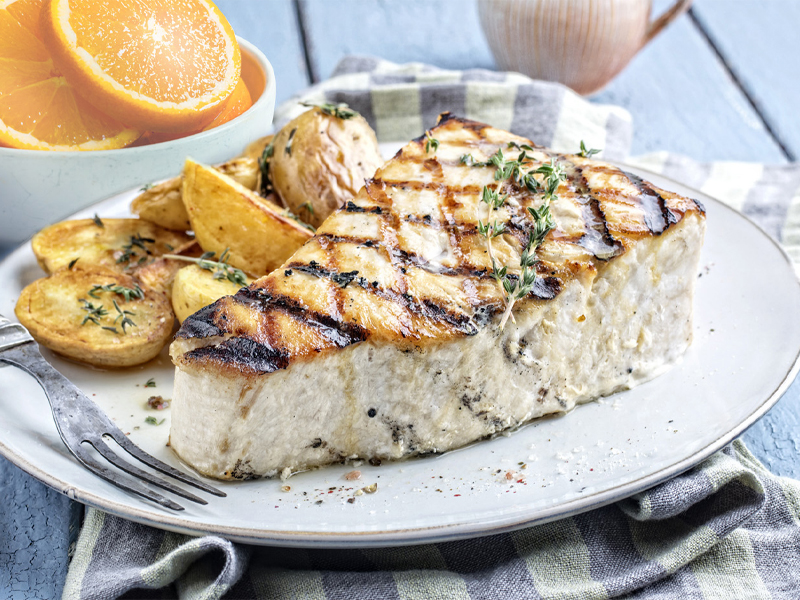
{"points": [[726, 529]]}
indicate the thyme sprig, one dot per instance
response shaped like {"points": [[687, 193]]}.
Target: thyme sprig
{"points": [[264, 180], [129, 251], [515, 288], [120, 290], [288, 147], [339, 110], [588, 153], [94, 313], [123, 316], [98, 221], [220, 268], [431, 143]]}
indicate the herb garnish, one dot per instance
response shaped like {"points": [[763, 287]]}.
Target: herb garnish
{"points": [[94, 313], [587, 153], [125, 315], [309, 207], [97, 221], [290, 215], [344, 279], [431, 143], [128, 251], [121, 290], [288, 148], [150, 383], [340, 110], [145, 187], [265, 183], [517, 287], [221, 269], [151, 420], [72, 263]]}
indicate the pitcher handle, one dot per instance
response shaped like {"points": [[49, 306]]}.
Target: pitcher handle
{"points": [[675, 11]]}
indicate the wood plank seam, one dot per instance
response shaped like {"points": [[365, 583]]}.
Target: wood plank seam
{"points": [[739, 84], [300, 12]]}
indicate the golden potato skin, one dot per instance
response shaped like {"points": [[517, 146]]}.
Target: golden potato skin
{"points": [[162, 204], [51, 309], [103, 243], [324, 163], [194, 288], [225, 214]]}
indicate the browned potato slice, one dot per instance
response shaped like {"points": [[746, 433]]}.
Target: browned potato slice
{"points": [[114, 243], [62, 315], [159, 274], [195, 288], [162, 203], [259, 234], [319, 162]]}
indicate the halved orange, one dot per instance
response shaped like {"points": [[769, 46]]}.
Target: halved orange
{"points": [[39, 110], [159, 65], [238, 102]]}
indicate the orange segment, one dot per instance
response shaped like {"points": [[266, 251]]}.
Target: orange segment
{"points": [[38, 108], [158, 64], [238, 103]]}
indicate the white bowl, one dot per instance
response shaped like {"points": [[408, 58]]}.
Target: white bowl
{"points": [[40, 187]]}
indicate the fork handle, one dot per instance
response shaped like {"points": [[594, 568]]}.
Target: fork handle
{"points": [[12, 334], [27, 357]]}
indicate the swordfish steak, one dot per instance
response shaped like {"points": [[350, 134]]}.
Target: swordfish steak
{"points": [[380, 338]]}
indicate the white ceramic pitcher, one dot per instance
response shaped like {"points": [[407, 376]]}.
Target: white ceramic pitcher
{"points": [[580, 43]]}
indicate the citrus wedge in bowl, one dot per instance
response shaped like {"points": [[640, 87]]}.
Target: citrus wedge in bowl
{"points": [[158, 65], [39, 109]]}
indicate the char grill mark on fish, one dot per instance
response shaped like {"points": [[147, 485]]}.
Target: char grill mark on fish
{"points": [[657, 214], [396, 226]]}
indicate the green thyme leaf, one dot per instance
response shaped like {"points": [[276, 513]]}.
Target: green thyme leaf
{"points": [[587, 153], [151, 420], [340, 110]]}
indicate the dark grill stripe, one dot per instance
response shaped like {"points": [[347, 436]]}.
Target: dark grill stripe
{"points": [[657, 215], [596, 238]]}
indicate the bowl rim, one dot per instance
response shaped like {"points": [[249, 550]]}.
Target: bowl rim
{"points": [[269, 90]]}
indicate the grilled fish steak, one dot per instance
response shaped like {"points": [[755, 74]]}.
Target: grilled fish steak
{"points": [[379, 338]]}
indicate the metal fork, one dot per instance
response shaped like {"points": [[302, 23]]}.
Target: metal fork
{"points": [[79, 421]]}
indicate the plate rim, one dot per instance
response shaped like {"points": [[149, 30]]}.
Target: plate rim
{"points": [[432, 533]]}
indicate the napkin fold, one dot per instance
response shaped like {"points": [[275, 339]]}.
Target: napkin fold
{"points": [[726, 529]]}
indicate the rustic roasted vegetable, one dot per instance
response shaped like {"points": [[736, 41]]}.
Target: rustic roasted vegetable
{"points": [[256, 149], [319, 161], [195, 287], [162, 203], [259, 234], [96, 315], [120, 244], [159, 274]]}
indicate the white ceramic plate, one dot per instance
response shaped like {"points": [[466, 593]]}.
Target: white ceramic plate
{"points": [[744, 356]]}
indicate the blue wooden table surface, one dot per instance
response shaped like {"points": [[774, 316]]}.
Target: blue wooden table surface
{"points": [[720, 84]]}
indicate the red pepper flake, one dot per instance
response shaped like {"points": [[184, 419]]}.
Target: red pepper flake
{"points": [[456, 495]]}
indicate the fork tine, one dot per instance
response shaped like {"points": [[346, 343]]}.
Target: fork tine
{"points": [[153, 462], [115, 460], [127, 484]]}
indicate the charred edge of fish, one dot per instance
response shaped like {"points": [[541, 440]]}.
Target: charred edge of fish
{"points": [[351, 207], [243, 352], [339, 333], [596, 237], [474, 126], [657, 215], [200, 324]]}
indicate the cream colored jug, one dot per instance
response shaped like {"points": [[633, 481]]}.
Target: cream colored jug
{"points": [[580, 43]]}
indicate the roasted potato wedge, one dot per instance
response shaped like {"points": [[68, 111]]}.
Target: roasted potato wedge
{"points": [[194, 288], [114, 243], [319, 162], [162, 203], [258, 233], [68, 313]]}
